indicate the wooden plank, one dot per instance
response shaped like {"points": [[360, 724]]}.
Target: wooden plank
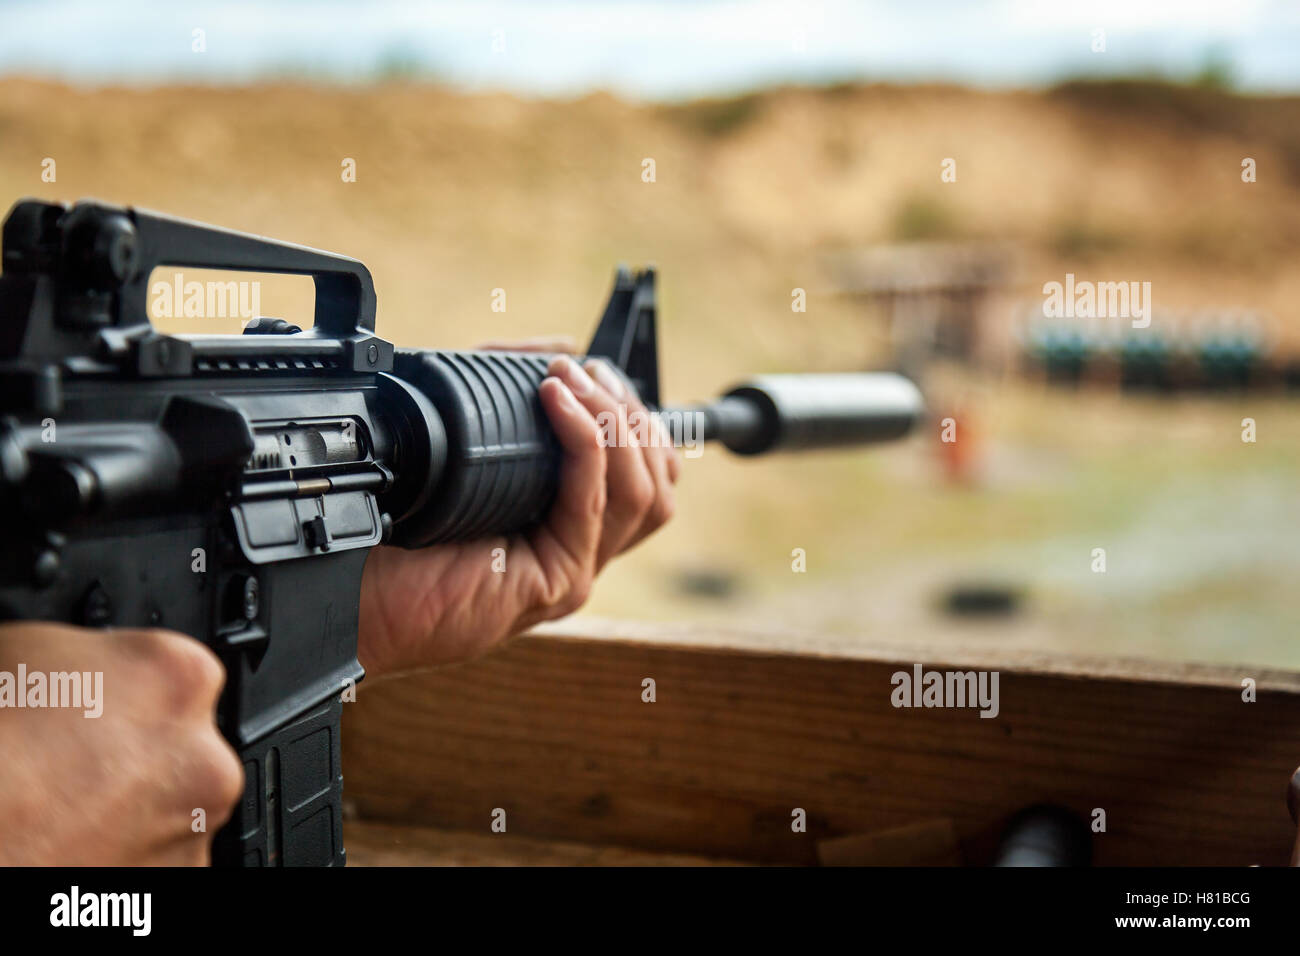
{"points": [[748, 728], [383, 844], [928, 843]]}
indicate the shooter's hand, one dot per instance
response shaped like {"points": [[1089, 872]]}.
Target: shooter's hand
{"points": [[117, 779], [452, 602]]}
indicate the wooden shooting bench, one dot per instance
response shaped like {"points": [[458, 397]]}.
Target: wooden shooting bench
{"points": [[746, 728]]}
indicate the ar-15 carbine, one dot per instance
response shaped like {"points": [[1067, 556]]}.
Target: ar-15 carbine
{"points": [[230, 486]]}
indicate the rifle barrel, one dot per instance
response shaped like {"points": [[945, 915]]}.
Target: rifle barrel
{"points": [[804, 412]]}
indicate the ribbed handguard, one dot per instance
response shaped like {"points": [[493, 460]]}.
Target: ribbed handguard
{"points": [[502, 460]]}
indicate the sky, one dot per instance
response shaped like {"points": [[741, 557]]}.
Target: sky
{"points": [[650, 50]]}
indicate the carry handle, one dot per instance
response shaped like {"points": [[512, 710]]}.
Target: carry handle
{"points": [[130, 243]]}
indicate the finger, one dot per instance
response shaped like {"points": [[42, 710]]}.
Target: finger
{"points": [[544, 343], [630, 486], [674, 458], [187, 850], [661, 438], [617, 386], [661, 457], [655, 452], [666, 446], [568, 543]]}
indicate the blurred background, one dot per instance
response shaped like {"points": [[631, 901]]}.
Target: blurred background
{"points": [[796, 146]]}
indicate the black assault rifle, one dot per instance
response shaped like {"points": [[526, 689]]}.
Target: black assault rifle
{"points": [[282, 456]]}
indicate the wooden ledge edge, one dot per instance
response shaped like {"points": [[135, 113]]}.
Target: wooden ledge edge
{"points": [[779, 642]]}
